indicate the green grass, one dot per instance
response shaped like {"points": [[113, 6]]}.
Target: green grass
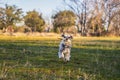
{"points": [[35, 58]]}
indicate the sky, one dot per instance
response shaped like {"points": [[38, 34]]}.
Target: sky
{"points": [[46, 7]]}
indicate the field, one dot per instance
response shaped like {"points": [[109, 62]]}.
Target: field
{"points": [[35, 58]]}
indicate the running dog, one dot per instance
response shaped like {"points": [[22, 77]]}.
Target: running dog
{"points": [[65, 47]]}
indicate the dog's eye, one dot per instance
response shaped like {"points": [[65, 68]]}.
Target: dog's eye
{"points": [[70, 37]]}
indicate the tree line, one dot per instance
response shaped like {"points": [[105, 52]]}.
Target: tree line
{"points": [[11, 15], [86, 17], [96, 17]]}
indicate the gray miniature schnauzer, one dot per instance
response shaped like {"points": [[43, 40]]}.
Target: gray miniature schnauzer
{"points": [[65, 47]]}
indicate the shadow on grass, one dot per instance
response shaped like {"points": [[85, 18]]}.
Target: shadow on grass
{"points": [[102, 63]]}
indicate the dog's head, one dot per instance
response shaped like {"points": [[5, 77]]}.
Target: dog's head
{"points": [[67, 37], [67, 40]]}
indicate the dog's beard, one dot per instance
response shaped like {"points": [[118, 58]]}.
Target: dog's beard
{"points": [[67, 43]]}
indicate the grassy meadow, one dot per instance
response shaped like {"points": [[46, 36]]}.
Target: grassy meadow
{"points": [[35, 58]]}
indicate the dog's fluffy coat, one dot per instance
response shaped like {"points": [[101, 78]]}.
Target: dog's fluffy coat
{"points": [[65, 47]]}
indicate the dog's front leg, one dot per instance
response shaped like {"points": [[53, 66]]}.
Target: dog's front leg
{"points": [[60, 54], [67, 56]]}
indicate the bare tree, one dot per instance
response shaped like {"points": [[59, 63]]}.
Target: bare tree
{"points": [[115, 24], [95, 22], [110, 7], [80, 8]]}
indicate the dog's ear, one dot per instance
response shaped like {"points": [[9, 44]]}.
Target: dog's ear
{"points": [[63, 35]]}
